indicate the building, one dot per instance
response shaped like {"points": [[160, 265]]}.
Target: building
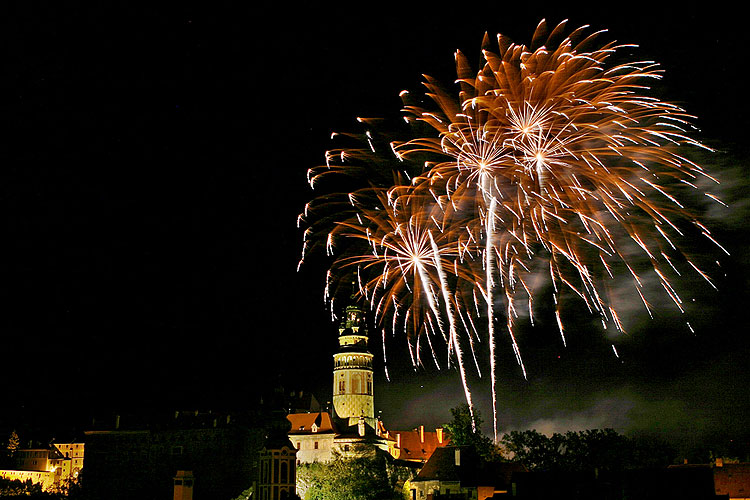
{"points": [[458, 472], [184, 481], [277, 478], [54, 467], [277, 466], [313, 436], [718, 481], [352, 427], [730, 479], [141, 457], [74, 451], [416, 445], [353, 400]]}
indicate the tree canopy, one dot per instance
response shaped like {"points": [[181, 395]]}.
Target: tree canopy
{"points": [[343, 478]]}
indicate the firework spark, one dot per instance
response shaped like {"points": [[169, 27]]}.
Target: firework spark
{"points": [[551, 159]]}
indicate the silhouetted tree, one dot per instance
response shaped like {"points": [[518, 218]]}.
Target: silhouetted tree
{"points": [[14, 442], [602, 449], [462, 433], [532, 448]]}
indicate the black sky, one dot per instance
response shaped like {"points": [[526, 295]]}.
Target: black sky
{"points": [[153, 165]]}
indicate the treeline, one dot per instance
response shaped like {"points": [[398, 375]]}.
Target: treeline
{"points": [[603, 449], [14, 488]]}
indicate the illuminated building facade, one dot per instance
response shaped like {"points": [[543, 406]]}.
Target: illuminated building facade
{"points": [[53, 467], [352, 371], [278, 468], [313, 436], [74, 452]]}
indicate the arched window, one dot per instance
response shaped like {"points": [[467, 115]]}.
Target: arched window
{"points": [[284, 472]]}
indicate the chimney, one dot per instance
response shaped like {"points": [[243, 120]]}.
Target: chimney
{"points": [[458, 456], [421, 433], [439, 432], [398, 440], [117, 422], [361, 426], [183, 485]]}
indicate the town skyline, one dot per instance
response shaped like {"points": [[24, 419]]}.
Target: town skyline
{"points": [[154, 168]]}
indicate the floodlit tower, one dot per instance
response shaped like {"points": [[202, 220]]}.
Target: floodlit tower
{"points": [[352, 371]]}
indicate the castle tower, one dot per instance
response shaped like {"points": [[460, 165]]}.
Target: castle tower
{"points": [[352, 371]]}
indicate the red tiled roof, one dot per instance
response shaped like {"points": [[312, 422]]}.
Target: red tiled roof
{"points": [[417, 444], [302, 423]]}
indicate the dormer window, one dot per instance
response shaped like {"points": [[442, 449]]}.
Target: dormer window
{"points": [[314, 428]]}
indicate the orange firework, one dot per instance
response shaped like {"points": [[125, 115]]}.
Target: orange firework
{"points": [[550, 157]]}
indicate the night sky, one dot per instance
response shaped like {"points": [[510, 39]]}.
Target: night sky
{"points": [[153, 165]]}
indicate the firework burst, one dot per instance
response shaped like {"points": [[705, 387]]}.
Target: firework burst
{"points": [[550, 159]]}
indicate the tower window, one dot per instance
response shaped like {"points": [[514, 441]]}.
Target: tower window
{"points": [[342, 387]]}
